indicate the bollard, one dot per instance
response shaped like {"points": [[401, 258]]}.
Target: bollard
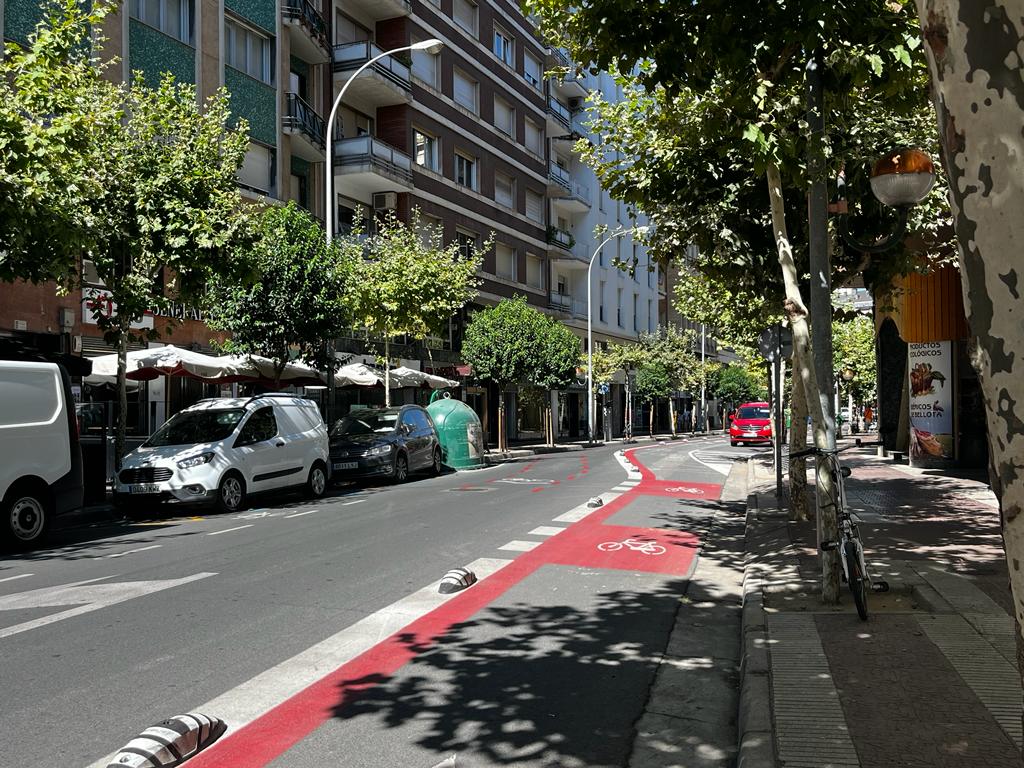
{"points": [[170, 742]]}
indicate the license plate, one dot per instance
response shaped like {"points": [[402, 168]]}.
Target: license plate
{"points": [[145, 488], [346, 465], [750, 434]]}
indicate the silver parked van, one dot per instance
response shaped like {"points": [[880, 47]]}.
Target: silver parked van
{"points": [[40, 457]]}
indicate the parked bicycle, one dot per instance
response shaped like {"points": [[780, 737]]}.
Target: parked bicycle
{"points": [[847, 542]]}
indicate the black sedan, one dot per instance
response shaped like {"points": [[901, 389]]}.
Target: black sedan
{"points": [[384, 442]]}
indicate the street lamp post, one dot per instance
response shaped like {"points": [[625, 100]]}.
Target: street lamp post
{"points": [[590, 330], [432, 46]]}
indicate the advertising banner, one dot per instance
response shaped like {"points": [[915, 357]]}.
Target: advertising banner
{"points": [[931, 400]]}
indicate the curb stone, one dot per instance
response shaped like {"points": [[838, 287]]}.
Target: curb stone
{"points": [[754, 721]]}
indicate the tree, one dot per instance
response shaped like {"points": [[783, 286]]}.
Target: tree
{"points": [[736, 384], [853, 348], [408, 287], [653, 381], [501, 344], [54, 111], [555, 367], [973, 52], [295, 302]]}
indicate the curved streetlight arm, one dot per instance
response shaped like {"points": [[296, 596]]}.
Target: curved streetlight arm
{"points": [[329, 175], [590, 332]]}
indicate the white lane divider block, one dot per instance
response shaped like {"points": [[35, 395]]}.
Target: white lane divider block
{"points": [[19, 576], [133, 551], [545, 530], [300, 514], [517, 545]]}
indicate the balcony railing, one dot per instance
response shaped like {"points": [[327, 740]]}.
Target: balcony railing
{"points": [[561, 238], [559, 111], [363, 150], [300, 116], [559, 174], [562, 301], [306, 14], [354, 55]]}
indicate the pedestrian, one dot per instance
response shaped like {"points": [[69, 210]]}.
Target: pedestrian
{"points": [[868, 415]]}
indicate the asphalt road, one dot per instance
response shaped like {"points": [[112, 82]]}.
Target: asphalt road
{"points": [[116, 627]]}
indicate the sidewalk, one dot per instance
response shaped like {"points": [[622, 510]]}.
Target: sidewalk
{"points": [[929, 680]]}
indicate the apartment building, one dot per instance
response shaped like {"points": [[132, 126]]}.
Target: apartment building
{"points": [[476, 138]]}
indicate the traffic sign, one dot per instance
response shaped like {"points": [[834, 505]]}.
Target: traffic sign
{"points": [[770, 340]]}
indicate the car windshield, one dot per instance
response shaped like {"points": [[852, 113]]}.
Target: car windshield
{"points": [[365, 423], [190, 427], [754, 412]]}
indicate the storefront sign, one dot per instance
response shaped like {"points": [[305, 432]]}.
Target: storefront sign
{"points": [[178, 311], [96, 299], [931, 400]]}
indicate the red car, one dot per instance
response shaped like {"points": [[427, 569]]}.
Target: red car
{"points": [[751, 423]]}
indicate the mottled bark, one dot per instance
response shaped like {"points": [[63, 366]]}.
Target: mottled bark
{"points": [[122, 393], [975, 55], [502, 444], [797, 443], [672, 415], [796, 312]]}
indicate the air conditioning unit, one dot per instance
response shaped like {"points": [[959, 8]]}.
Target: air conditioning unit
{"points": [[575, 104], [385, 201]]}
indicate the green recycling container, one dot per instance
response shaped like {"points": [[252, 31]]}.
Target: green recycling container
{"points": [[459, 431]]}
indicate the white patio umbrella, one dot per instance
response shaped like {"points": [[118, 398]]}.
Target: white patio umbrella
{"points": [[413, 378], [148, 364]]}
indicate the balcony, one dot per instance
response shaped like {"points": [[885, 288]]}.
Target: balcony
{"points": [[382, 84], [559, 181], [307, 31], [559, 117], [364, 165], [305, 127], [575, 199], [376, 10], [568, 84], [563, 302]]}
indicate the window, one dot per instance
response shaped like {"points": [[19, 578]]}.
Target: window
{"points": [[504, 47], [468, 243], [465, 171], [464, 91], [424, 66], [563, 286], [505, 262], [257, 171], [261, 426], [248, 51], [601, 295], [636, 300], [618, 307], [504, 190], [425, 150], [430, 229], [464, 14], [650, 317], [504, 117], [532, 70], [172, 17], [535, 273], [534, 138], [534, 206]]}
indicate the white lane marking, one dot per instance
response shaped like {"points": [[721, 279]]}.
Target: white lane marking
{"points": [[622, 488], [19, 576], [545, 530], [84, 598], [253, 698], [350, 503], [300, 514], [721, 469], [517, 545], [229, 530], [133, 551]]}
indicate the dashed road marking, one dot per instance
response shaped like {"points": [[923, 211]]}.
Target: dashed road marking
{"points": [[350, 503], [229, 530], [19, 576], [545, 530], [520, 546], [132, 551], [300, 514]]}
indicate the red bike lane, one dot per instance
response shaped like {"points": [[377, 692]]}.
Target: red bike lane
{"points": [[604, 539]]}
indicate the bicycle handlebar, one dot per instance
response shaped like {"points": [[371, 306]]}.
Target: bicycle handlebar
{"points": [[815, 451]]}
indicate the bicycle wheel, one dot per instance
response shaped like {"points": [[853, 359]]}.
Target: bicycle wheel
{"points": [[857, 580], [610, 546]]}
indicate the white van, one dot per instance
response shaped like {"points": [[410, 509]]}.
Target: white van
{"points": [[40, 458], [224, 449]]}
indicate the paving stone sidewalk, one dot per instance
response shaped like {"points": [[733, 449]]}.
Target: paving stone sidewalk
{"points": [[929, 680]]}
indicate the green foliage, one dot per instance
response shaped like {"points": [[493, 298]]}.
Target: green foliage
{"points": [[409, 287], [737, 384], [503, 342], [54, 112], [295, 301], [654, 380], [853, 348], [557, 356]]}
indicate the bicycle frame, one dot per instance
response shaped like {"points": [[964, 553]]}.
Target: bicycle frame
{"points": [[847, 528]]}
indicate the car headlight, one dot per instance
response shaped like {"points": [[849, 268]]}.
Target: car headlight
{"points": [[380, 450], [197, 460]]}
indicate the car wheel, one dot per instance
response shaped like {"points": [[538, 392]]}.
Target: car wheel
{"points": [[733, 443], [26, 515], [435, 466], [231, 493], [401, 473], [316, 485]]}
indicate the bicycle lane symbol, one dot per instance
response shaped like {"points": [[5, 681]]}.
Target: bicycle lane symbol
{"points": [[646, 547], [626, 548]]}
